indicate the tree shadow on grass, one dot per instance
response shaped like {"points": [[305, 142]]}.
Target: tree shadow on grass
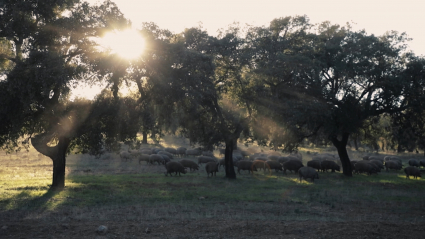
{"points": [[24, 203]]}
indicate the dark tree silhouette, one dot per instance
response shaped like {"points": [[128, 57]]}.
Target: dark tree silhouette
{"points": [[329, 83], [52, 51]]}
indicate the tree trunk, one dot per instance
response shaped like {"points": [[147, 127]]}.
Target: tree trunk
{"points": [[118, 72], [153, 137], [228, 160], [235, 144], [400, 149], [18, 48], [59, 163], [376, 146], [343, 155], [57, 154], [145, 137], [115, 90]]}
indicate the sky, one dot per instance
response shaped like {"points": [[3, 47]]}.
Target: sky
{"points": [[375, 16]]}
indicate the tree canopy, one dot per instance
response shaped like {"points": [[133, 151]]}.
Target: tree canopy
{"points": [[53, 50], [329, 83]]}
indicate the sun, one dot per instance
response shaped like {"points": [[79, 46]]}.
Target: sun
{"points": [[128, 44]]}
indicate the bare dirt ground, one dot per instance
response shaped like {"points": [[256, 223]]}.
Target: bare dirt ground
{"points": [[205, 228], [127, 222]]}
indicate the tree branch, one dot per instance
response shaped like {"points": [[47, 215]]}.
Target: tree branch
{"points": [[39, 142]]}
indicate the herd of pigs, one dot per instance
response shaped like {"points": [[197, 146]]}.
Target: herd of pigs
{"points": [[245, 161]]}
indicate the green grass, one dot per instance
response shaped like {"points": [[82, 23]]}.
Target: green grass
{"points": [[142, 191]]}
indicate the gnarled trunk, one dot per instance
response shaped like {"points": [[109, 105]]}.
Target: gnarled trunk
{"points": [[343, 155], [57, 154], [228, 160]]}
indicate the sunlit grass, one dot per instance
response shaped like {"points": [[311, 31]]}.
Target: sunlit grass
{"points": [[108, 184], [403, 176]]}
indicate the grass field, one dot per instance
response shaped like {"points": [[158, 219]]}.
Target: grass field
{"points": [[105, 188], [112, 183]]}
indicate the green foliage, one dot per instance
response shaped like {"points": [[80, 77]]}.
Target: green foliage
{"points": [[213, 102], [153, 66], [282, 75], [408, 125], [104, 122], [377, 132], [35, 91], [6, 52]]}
